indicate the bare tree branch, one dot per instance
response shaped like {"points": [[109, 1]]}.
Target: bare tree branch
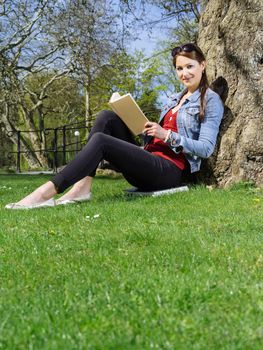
{"points": [[24, 32], [40, 58]]}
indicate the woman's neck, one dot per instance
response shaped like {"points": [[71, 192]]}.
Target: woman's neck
{"points": [[189, 93]]}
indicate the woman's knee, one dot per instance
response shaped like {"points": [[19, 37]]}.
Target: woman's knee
{"points": [[98, 138], [105, 116]]}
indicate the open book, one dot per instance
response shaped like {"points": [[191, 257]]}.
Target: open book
{"points": [[128, 110]]}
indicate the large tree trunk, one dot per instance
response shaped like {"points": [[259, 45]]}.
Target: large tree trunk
{"points": [[11, 133], [231, 36], [36, 142], [6, 159]]}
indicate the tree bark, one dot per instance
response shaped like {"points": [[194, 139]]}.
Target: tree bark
{"points": [[231, 37], [11, 132]]}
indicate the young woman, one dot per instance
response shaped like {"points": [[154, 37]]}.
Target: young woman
{"points": [[186, 133]]}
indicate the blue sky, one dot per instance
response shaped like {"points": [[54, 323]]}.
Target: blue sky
{"points": [[148, 38]]}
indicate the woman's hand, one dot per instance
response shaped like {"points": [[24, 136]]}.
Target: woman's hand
{"points": [[155, 130]]}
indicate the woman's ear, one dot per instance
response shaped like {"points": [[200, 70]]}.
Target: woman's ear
{"points": [[203, 65]]}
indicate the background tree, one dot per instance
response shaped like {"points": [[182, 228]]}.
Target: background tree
{"points": [[90, 31], [179, 17], [23, 53], [49, 49]]}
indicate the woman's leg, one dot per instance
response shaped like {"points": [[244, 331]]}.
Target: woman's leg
{"points": [[106, 122], [141, 168], [80, 189], [109, 123], [41, 194]]}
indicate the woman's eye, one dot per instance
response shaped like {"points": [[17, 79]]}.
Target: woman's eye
{"points": [[189, 66], [178, 68]]}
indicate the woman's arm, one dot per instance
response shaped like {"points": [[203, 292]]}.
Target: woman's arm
{"points": [[205, 144]]}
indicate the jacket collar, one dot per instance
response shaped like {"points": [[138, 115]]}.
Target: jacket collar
{"points": [[193, 98]]}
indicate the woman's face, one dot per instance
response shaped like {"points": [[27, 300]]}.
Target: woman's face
{"points": [[189, 72]]}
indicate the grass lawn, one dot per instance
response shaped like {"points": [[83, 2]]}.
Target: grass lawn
{"points": [[178, 272]]}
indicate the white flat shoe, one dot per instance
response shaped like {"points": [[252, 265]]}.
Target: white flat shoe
{"points": [[49, 203], [75, 200]]}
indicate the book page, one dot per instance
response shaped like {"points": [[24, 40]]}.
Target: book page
{"points": [[115, 96]]}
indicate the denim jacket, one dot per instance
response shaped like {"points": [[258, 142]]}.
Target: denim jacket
{"points": [[194, 138]]}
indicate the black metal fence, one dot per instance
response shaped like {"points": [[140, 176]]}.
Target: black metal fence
{"points": [[60, 144]]}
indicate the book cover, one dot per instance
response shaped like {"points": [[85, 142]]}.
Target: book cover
{"points": [[128, 110]]}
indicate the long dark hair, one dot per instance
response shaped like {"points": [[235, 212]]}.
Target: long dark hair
{"points": [[194, 52]]}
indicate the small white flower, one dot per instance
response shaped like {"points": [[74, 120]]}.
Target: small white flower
{"points": [[87, 217], [96, 216]]}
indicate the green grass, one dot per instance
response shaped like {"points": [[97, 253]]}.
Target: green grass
{"points": [[178, 272]]}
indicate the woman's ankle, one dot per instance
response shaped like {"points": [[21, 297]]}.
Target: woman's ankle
{"points": [[41, 194], [46, 191]]}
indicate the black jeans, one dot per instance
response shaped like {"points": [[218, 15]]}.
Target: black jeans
{"points": [[111, 140]]}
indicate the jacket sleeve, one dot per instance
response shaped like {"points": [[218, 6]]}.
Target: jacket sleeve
{"points": [[203, 146]]}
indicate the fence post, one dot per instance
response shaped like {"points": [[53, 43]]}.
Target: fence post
{"points": [[55, 150], [64, 144], [18, 166]]}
